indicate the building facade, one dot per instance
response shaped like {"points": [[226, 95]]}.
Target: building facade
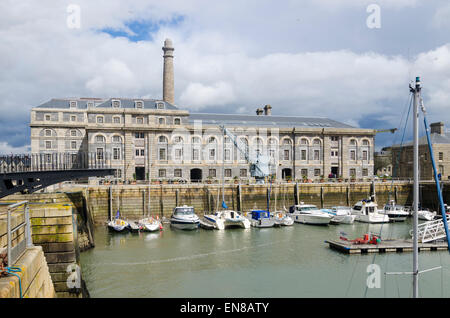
{"points": [[154, 139]]}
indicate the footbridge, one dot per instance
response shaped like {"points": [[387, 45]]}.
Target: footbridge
{"points": [[27, 173]]}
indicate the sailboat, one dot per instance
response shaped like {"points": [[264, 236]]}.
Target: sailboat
{"points": [[118, 225]]}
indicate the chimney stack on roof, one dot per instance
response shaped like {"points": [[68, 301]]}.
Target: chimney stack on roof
{"points": [[267, 110], [259, 111], [437, 128]]}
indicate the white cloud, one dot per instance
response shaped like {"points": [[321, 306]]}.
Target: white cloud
{"points": [[197, 95], [6, 149]]}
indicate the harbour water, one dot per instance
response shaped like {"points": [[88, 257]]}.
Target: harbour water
{"points": [[288, 262]]}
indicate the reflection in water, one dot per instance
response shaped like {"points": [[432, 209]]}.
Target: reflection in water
{"points": [[289, 261]]}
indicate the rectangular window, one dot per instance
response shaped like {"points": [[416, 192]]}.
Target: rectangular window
{"points": [[177, 173], [140, 120], [316, 154], [139, 135], [334, 153], [365, 172], [227, 154], [48, 158], [195, 154], [116, 120], [178, 154], [304, 172], [162, 173], [272, 153], [142, 152], [364, 155], [228, 173], [316, 172], [99, 153], [73, 118], [303, 154], [212, 173], [48, 117], [162, 154], [73, 145], [100, 119], [73, 133], [334, 138], [116, 153], [48, 133], [441, 156], [352, 155], [48, 144], [286, 154], [212, 154], [243, 172], [352, 172]]}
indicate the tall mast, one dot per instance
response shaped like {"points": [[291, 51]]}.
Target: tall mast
{"points": [[416, 91]]}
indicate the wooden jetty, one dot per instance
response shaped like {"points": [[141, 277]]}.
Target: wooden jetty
{"points": [[394, 245]]}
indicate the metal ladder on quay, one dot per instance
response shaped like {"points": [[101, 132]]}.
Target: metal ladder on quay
{"points": [[431, 230]]}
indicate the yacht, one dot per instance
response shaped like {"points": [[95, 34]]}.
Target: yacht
{"points": [[228, 218], [184, 218], [281, 219], [260, 218], [426, 215], [340, 215], [366, 211], [118, 225], [150, 224], [395, 212], [309, 214]]}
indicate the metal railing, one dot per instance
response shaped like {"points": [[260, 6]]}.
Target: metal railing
{"points": [[431, 230], [54, 161], [16, 251]]}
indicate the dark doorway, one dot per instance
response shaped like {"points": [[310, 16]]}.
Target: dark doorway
{"points": [[196, 175], [286, 173], [335, 171], [140, 173]]}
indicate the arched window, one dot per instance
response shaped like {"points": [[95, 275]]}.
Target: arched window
{"points": [[100, 139], [304, 142], [272, 141], [317, 142], [116, 139], [365, 142], [287, 141], [353, 142], [178, 139], [161, 120], [196, 140], [162, 139]]}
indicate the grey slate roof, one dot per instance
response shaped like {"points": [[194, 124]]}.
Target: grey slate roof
{"points": [[435, 139], [104, 103], [263, 120]]}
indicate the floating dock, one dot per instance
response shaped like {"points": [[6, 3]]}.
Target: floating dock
{"points": [[394, 245]]}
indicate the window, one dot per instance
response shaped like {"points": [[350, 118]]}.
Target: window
{"points": [[441, 156], [99, 138], [177, 121], [162, 154], [116, 120], [365, 172], [196, 140], [100, 120], [352, 172], [48, 144], [364, 155], [116, 153], [353, 142], [73, 104], [243, 172], [316, 155], [272, 153], [138, 104], [227, 140], [118, 173], [48, 158], [90, 104], [334, 153], [352, 155], [272, 141], [212, 154], [162, 139], [48, 117], [140, 152], [212, 173], [195, 154], [316, 142], [73, 145], [139, 120], [177, 173], [286, 154], [316, 172], [160, 105], [73, 118], [227, 154], [139, 135], [303, 141], [178, 154], [161, 121], [334, 138], [116, 138], [227, 173], [116, 103], [365, 142], [99, 153], [211, 140], [304, 172], [178, 139], [162, 173], [48, 132], [287, 141], [303, 154], [73, 133]]}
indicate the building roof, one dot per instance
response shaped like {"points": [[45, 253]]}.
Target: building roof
{"points": [[263, 120], [435, 139], [104, 103]]}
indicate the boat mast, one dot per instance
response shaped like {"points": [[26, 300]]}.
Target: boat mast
{"points": [[416, 91]]}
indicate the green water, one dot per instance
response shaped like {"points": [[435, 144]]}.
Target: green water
{"points": [[275, 262]]}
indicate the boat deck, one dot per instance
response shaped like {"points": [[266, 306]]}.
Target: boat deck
{"points": [[394, 245]]}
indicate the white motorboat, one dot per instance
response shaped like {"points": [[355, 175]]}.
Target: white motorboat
{"points": [[260, 218], [426, 215], [340, 215], [366, 211], [309, 214], [395, 212], [184, 218], [281, 218], [150, 224], [228, 218]]}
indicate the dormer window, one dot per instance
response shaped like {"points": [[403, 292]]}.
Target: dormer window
{"points": [[160, 105], [90, 104], [115, 103], [177, 121], [73, 104], [48, 117], [139, 104]]}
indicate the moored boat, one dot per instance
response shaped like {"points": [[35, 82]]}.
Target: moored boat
{"points": [[309, 214], [260, 218], [228, 219], [118, 225], [340, 215], [395, 212], [134, 226], [426, 215], [184, 218], [281, 219], [366, 211], [150, 224]]}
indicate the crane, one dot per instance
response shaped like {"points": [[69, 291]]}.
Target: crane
{"points": [[259, 164]]}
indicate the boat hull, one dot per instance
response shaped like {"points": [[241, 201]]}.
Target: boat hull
{"points": [[311, 219], [184, 225], [343, 219], [371, 218]]}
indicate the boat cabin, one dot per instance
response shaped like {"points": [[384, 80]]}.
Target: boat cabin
{"points": [[365, 207], [184, 210], [260, 214]]}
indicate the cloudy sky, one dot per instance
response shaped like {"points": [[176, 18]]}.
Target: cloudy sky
{"points": [[319, 58]]}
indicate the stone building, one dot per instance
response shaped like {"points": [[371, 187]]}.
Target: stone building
{"points": [[402, 155], [155, 139]]}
